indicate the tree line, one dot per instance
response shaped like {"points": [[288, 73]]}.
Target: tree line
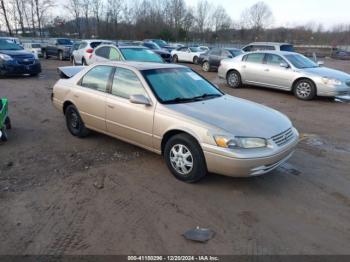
{"points": [[171, 20]]}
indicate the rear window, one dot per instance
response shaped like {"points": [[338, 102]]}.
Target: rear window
{"points": [[288, 48], [141, 55], [95, 44]]}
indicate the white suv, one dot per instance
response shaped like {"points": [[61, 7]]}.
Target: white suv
{"points": [[83, 54]]}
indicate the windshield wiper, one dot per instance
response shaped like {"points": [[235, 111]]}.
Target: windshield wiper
{"points": [[191, 99], [204, 96]]}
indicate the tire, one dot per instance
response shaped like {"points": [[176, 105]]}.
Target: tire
{"points": [[175, 59], [73, 62], [60, 55], [83, 62], [206, 66], [234, 79], [195, 60], [305, 89], [45, 55], [8, 123], [74, 122], [4, 136], [175, 151]]}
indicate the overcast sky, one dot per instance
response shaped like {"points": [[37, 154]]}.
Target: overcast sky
{"points": [[286, 12], [294, 12]]}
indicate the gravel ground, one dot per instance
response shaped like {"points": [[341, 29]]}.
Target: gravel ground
{"points": [[98, 195]]}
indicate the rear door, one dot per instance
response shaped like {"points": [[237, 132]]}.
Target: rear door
{"points": [[215, 57], [252, 69], [126, 120], [78, 55], [90, 96]]}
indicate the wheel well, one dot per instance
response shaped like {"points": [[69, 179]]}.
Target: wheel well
{"points": [[65, 105], [232, 70], [172, 133], [303, 78]]}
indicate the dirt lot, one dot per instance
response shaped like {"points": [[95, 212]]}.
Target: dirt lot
{"points": [[63, 195]]}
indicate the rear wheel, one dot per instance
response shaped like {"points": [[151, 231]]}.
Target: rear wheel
{"points": [[60, 55], [234, 79], [206, 66], [3, 135], [185, 159], [305, 89], [175, 59], [45, 55], [83, 62], [74, 122]]}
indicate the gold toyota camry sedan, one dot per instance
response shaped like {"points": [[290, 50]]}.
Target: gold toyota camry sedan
{"points": [[171, 110]]}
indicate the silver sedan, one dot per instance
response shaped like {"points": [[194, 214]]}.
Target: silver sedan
{"points": [[286, 71]]}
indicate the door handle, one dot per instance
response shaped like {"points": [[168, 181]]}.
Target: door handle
{"points": [[110, 106]]}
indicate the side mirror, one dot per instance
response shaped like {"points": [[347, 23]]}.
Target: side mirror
{"points": [[140, 100], [320, 63], [284, 65]]}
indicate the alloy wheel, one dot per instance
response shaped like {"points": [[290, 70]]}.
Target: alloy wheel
{"points": [[233, 80], [303, 89], [206, 67], [181, 159]]}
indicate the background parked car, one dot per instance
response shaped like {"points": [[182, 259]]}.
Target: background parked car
{"points": [[124, 53], [286, 71], [186, 54], [58, 47], [85, 50], [14, 60], [211, 59], [156, 48], [340, 54], [261, 46], [203, 48], [35, 48], [12, 39]]}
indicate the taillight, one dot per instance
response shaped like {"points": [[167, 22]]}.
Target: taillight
{"points": [[90, 50]]}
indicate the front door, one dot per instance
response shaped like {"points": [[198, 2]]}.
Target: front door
{"points": [[128, 121]]}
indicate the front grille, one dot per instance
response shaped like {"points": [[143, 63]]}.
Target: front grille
{"points": [[26, 61], [283, 138]]}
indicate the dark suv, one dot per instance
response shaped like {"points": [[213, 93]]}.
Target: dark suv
{"points": [[58, 47], [14, 60]]}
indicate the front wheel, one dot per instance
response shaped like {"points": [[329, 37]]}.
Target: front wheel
{"points": [[234, 79], [74, 122], [185, 158], [3, 135], [206, 66], [60, 55], [175, 59], [305, 89], [195, 60]]}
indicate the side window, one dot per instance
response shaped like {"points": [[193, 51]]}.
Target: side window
{"points": [[126, 83], [257, 58], [216, 52], [103, 52], [114, 55], [97, 78], [226, 53], [247, 48], [274, 60]]}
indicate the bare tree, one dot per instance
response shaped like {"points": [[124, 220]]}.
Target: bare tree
{"points": [[202, 15], [97, 6], [41, 8], [114, 13], [257, 17], [4, 12], [73, 7], [86, 11], [19, 6], [220, 19]]}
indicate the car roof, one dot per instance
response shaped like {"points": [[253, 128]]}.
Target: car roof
{"points": [[142, 65], [95, 40], [273, 52], [269, 43]]}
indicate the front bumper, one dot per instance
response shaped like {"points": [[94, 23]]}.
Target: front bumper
{"points": [[247, 167], [332, 91], [19, 69]]}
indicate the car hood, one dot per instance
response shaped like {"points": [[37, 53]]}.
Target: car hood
{"points": [[236, 116], [15, 53], [328, 72]]}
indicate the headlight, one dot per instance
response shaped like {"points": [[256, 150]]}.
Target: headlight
{"points": [[5, 57], [240, 142], [331, 81]]}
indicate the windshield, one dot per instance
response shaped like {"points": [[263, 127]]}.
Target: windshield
{"points": [[235, 52], [64, 41], [195, 49], [141, 55], [288, 48], [9, 45], [179, 85], [160, 42], [300, 61]]}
